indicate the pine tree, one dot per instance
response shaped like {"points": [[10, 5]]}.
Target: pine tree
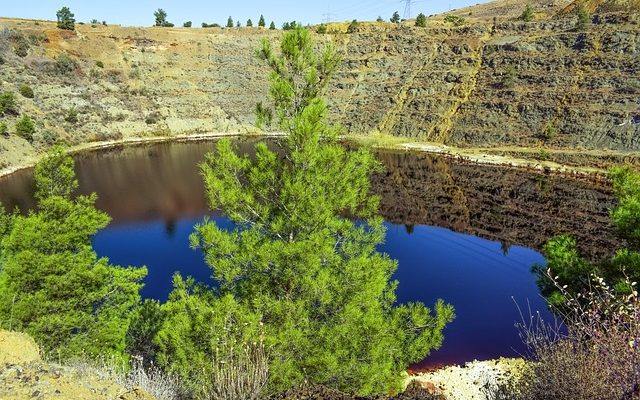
{"points": [[322, 290], [395, 18], [421, 20], [584, 19], [230, 22], [249, 23], [272, 26], [161, 17], [528, 14], [52, 284], [261, 22], [65, 19]]}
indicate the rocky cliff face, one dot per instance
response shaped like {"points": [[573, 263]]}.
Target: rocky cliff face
{"points": [[500, 84]]}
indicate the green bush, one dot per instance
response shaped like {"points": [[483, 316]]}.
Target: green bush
{"points": [[8, 103], [322, 29], [454, 20], [25, 128], [528, 14], [584, 19], [26, 91], [421, 20], [4, 130], [64, 65], [187, 24], [49, 137], [65, 19], [99, 64], [153, 118], [550, 132], [21, 48], [71, 116], [509, 78], [353, 27]]}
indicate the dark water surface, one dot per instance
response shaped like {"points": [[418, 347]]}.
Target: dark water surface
{"points": [[463, 233]]}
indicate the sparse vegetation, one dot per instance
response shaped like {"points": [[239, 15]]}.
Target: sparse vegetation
{"points": [[65, 19], [26, 91], [25, 128], [421, 20], [4, 130], [21, 47], [153, 118]]}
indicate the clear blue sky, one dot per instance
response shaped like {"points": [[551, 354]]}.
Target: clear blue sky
{"points": [[140, 12]]}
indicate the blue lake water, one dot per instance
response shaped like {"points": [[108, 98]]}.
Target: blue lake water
{"points": [[465, 234]]}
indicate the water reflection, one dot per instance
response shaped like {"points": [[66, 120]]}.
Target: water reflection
{"points": [[459, 232]]}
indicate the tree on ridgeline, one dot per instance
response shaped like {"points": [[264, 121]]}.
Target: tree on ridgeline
{"points": [[421, 20], [293, 265], [249, 23], [395, 18], [52, 284], [230, 22], [65, 19], [272, 26], [261, 22], [161, 17]]}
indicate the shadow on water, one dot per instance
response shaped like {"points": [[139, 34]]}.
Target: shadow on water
{"points": [[463, 233]]}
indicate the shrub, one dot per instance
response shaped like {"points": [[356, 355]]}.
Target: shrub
{"points": [[64, 65], [550, 131], [65, 19], [2, 60], [353, 27], [153, 118], [454, 20], [187, 24], [26, 91], [25, 127], [598, 357], [528, 14], [49, 137], [584, 19], [4, 130], [8, 103], [509, 78], [322, 29], [99, 64], [421, 20], [21, 48], [71, 116]]}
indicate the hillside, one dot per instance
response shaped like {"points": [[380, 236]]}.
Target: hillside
{"points": [[535, 89]]}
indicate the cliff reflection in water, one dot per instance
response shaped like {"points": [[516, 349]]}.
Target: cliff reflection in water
{"points": [[515, 207]]}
